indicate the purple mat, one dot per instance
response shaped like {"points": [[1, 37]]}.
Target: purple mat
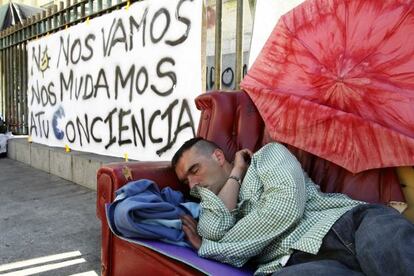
{"points": [[185, 255], [189, 257]]}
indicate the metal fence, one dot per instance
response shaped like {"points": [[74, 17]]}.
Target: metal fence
{"points": [[13, 52]]}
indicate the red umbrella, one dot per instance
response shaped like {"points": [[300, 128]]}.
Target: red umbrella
{"points": [[336, 78]]}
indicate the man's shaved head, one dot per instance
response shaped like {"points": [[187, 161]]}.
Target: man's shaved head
{"points": [[202, 145]]}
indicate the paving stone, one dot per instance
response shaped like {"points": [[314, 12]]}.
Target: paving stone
{"points": [[43, 215]]}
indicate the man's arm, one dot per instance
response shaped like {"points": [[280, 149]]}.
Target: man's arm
{"points": [[230, 191], [218, 212], [190, 231], [277, 173]]}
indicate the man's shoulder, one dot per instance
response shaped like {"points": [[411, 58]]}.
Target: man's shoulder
{"points": [[272, 147], [274, 152]]}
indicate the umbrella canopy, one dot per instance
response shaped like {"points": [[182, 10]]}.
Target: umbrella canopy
{"points": [[336, 78], [13, 13]]}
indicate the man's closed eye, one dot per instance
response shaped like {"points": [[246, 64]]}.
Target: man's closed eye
{"points": [[194, 169]]}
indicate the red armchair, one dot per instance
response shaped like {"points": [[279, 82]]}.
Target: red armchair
{"points": [[232, 121]]}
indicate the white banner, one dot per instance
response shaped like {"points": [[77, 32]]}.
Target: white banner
{"points": [[122, 83]]}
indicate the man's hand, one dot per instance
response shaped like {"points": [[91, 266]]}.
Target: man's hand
{"points": [[241, 162], [190, 231], [229, 193]]}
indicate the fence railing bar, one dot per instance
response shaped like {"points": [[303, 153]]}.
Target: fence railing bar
{"points": [[15, 58], [8, 113], [14, 86], [19, 72], [31, 25], [99, 5], [9, 88], [48, 19], [16, 89], [3, 88], [67, 10], [38, 24], [43, 22], [2, 107], [90, 7], [7, 84], [25, 98], [55, 16], [19, 88], [217, 50], [60, 14], [14, 80], [75, 9], [239, 43], [9, 80], [82, 9]]}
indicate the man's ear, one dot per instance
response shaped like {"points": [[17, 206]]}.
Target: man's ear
{"points": [[218, 155]]}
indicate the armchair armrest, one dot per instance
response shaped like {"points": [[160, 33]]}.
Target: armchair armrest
{"points": [[112, 176]]}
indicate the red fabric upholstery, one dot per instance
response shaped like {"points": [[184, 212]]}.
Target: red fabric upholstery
{"points": [[231, 120]]}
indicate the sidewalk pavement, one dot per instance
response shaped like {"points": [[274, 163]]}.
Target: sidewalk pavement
{"points": [[42, 215]]}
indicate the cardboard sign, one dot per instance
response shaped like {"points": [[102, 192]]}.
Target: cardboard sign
{"points": [[120, 84]]}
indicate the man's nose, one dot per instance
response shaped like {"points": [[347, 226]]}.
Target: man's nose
{"points": [[192, 181]]}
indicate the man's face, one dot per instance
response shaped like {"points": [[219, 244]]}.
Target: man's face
{"points": [[198, 168]]}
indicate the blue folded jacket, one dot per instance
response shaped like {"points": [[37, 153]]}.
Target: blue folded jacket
{"points": [[141, 210]]}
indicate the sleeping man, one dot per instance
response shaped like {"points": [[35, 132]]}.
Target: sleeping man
{"points": [[263, 208]]}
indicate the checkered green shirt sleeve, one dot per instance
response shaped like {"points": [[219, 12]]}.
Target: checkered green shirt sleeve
{"points": [[270, 219]]}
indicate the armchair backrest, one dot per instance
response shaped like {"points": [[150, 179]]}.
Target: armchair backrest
{"points": [[231, 120]]}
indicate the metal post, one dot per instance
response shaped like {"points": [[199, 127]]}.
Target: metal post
{"points": [[8, 85], [27, 79], [18, 87], [32, 24], [25, 116], [13, 76], [1, 74], [217, 51], [239, 44], [75, 9], [67, 11], [83, 9], [22, 84], [3, 88], [90, 7], [10, 78], [61, 14], [55, 16], [43, 22], [3, 70], [49, 19], [38, 24]]}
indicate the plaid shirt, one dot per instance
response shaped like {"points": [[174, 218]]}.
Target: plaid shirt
{"points": [[279, 209]]}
